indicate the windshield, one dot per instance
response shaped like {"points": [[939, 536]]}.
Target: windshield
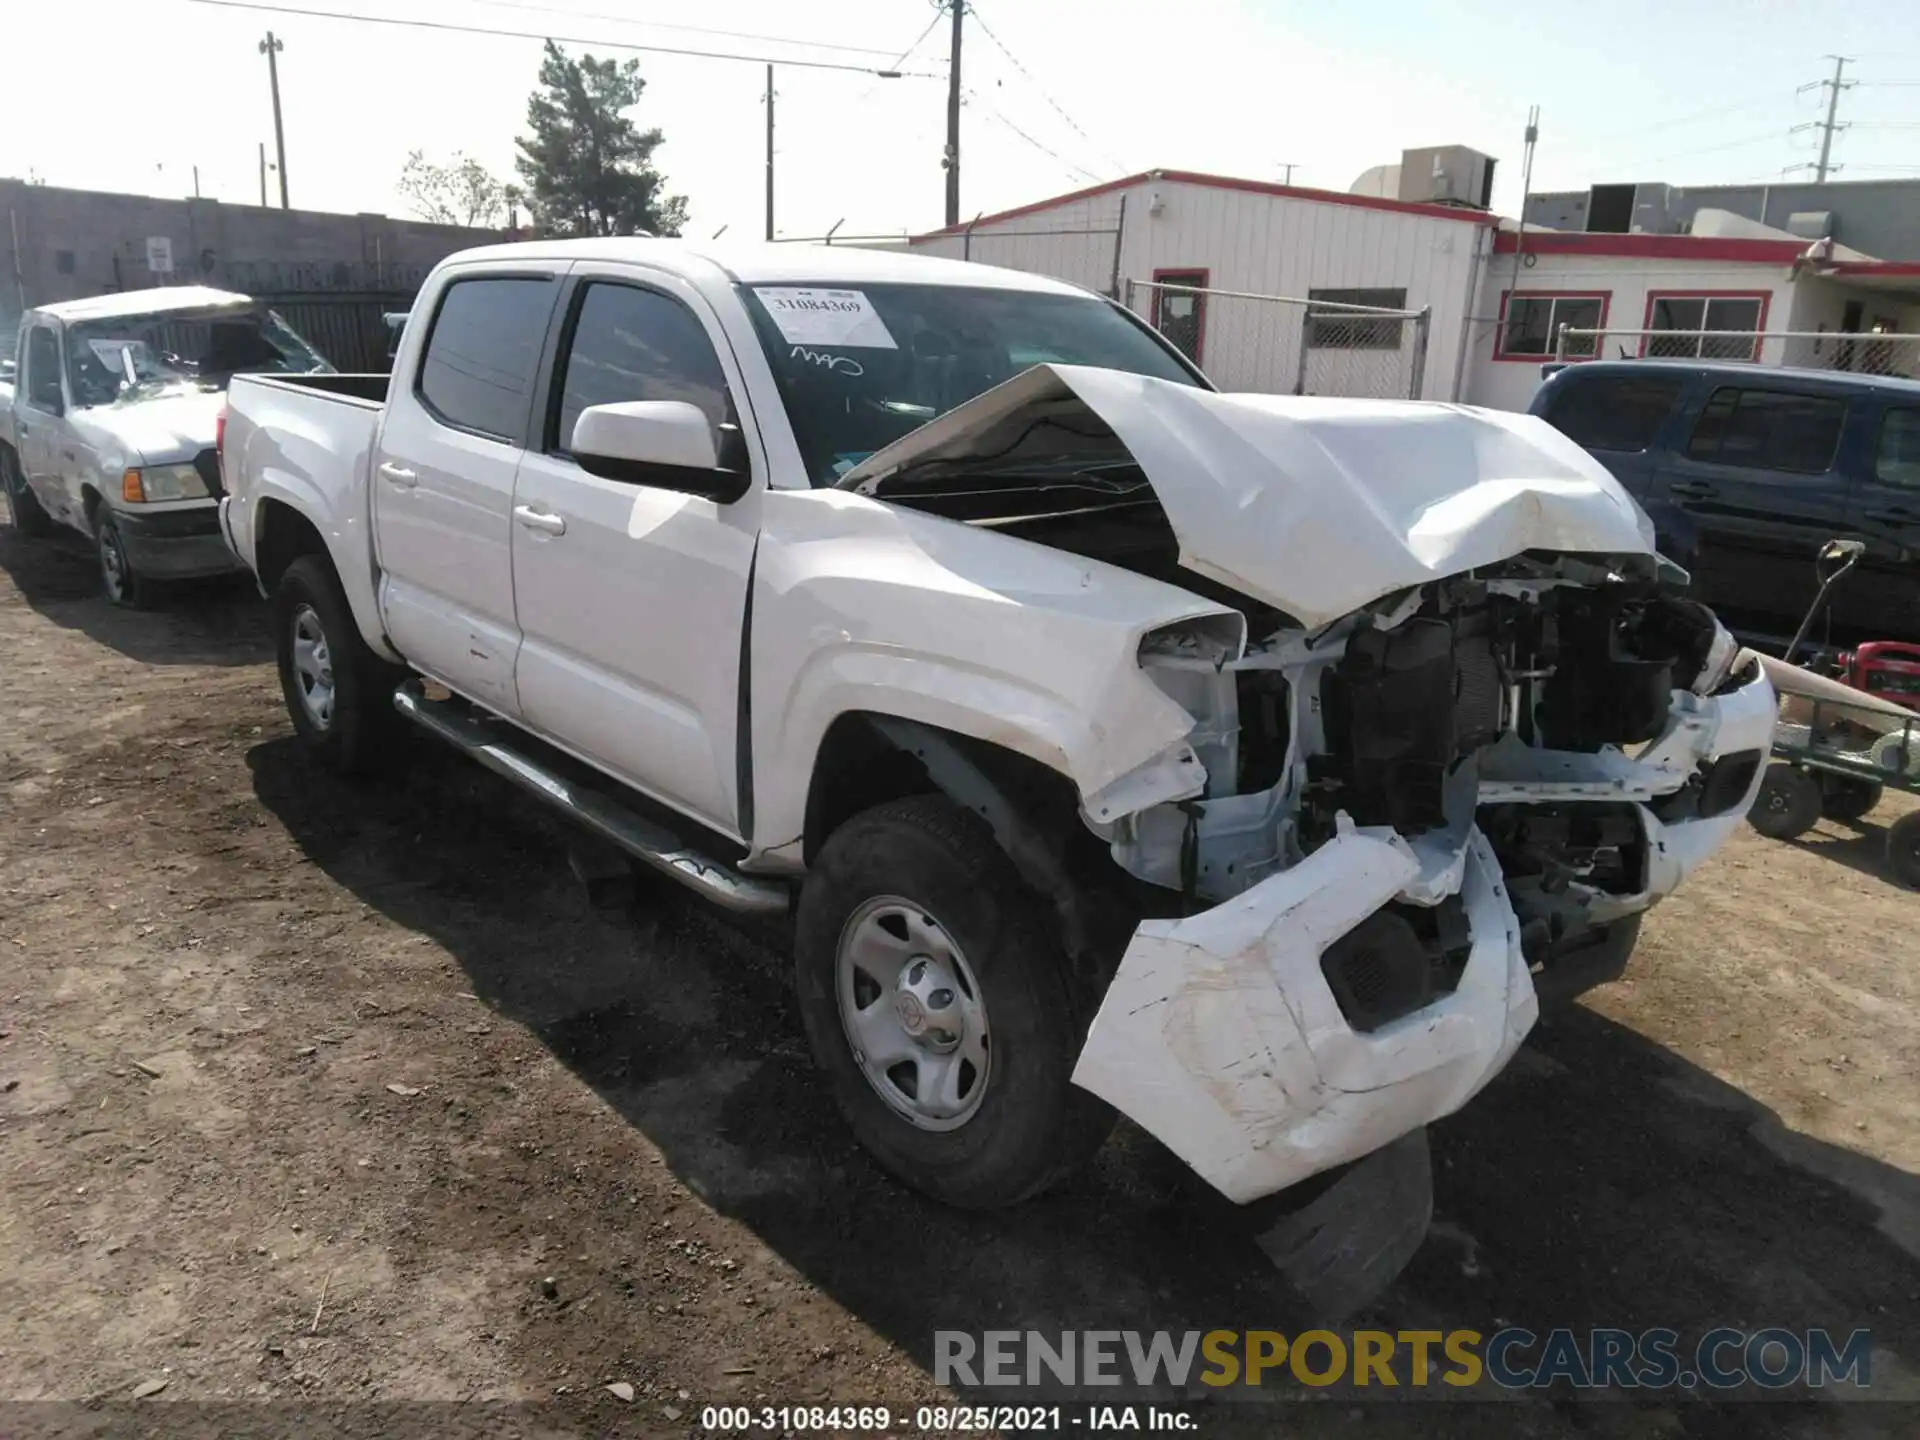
{"points": [[140, 356], [858, 369]]}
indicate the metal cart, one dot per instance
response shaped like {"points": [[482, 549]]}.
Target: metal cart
{"points": [[1836, 750]]}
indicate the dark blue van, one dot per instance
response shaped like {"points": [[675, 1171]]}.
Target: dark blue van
{"points": [[1758, 468]]}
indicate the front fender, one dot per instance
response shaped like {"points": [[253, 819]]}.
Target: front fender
{"points": [[1092, 745], [862, 607]]}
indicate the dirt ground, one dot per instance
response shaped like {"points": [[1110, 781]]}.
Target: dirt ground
{"points": [[329, 1094]]}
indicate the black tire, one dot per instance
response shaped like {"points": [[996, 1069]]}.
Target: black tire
{"points": [[1903, 849], [1788, 803], [119, 581], [1031, 1127], [30, 518], [1593, 960], [1842, 797], [351, 735]]}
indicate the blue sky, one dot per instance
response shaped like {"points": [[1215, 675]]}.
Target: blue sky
{"points": [[1059, 92]]}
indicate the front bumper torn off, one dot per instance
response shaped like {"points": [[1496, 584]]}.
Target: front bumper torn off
{"points": [[1221, 1036]]}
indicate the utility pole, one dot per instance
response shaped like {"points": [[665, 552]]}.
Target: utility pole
{"points": [[1286, 165], [769, 152], [263, 174], [1826, 127], [959, 9], [271, 48]]}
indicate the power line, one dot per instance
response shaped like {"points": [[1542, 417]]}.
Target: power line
{"points": [[1692, 119], [939, 14], [687, 29], [603, 44], [1014, 60], [1703, 150], [1055, 155]]}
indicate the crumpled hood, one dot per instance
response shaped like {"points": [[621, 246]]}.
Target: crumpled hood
{"points": [[1316, 505], [161, 431]]}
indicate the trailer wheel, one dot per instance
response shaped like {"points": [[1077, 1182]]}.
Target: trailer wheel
{"points": [[1788, 803], [1842, 797], [1903, 849]]}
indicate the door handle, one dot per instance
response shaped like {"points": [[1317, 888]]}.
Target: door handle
{"points": [[398, 475], [543, 521], [1690, 489]]}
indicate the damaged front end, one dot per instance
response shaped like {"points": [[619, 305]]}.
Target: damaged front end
{"points": [[1458, 726], [1412, 816]]}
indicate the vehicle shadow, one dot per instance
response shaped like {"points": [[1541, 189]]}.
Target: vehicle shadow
{"points": [[218, 621], [1857, 844], [1602, 1181]]}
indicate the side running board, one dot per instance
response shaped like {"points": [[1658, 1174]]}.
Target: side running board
{"points": [[646, 841]]}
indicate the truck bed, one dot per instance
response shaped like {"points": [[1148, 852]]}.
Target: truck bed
{"points": [[364, 390], [306, 439]]}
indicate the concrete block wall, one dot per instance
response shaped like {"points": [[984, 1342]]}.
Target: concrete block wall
{"points": [[59, 244]]}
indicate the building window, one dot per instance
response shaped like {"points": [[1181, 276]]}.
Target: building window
{"points": [[1181, 317], [1346, 330], [1530, 324], [1686, 323]]}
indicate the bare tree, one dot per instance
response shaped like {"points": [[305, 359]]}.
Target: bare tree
{"points": [[460, 192]]}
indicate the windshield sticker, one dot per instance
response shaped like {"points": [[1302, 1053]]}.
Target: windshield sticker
{"points": [[839, 364], [825, 317]]}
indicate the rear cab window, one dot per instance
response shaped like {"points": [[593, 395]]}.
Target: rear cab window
{"points": [[1781, 430], [1613, 412], [483, 351]]}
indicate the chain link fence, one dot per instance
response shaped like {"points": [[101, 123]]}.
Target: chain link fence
{"points": [[1285, 345], [1870, 353]]}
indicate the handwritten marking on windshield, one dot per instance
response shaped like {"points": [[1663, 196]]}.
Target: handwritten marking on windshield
{"points": [[841, 364]]}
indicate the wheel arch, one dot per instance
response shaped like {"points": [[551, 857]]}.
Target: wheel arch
{"points": [[282, 534], [867, 758]]}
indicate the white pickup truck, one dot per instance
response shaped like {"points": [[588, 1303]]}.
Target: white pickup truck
{"points": [[107, 427], [1248, 764]]}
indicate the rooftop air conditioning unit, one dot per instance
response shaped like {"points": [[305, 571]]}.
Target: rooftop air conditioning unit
{"points": [[1447, 175]]}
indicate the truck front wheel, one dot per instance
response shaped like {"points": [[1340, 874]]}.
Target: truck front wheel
{"points": [[339, 694], [939, 1006]]}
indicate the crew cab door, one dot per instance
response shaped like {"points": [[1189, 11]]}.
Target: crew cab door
{"points": [[1758, 473], [443, 469], [40, 408], [632, 598]]}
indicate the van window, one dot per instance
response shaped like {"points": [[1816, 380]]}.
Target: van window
{"points": [[1612, 412], [483, 351], [1897, 461], [1769, 430]]}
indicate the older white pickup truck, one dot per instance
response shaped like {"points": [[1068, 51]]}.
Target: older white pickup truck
{"points": [[108, 424], [1247, 764]]}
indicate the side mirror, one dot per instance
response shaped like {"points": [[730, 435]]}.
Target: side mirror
{"points": [[668, 444]]}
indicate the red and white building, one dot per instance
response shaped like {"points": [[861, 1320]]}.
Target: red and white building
{"points": [[1468, 307]]}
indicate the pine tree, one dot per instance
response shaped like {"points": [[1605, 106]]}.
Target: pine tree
{"points": [[588, 169]]}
